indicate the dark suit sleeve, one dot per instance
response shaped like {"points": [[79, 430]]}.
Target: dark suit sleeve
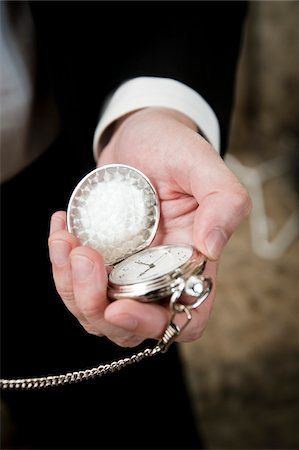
{"points": [[90, 48]]}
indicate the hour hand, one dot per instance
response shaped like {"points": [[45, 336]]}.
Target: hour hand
{"points": [[140, 262], [150, 266]]}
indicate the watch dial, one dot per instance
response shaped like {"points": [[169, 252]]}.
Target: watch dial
{"points": [[151, 263]]}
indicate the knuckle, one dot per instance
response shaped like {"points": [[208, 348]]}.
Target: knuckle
{"points": [[50, 239], [90, 309], [60, 234], [241, 201], [66, 295]]}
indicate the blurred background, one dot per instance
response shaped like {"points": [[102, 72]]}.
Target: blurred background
{"points": [[243, 373]]}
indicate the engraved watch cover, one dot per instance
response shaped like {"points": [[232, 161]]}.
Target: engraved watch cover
{"points": [[114, 210]]}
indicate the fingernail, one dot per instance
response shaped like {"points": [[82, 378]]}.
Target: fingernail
{"points": [[214, 243], [81, 267], [57, 224], [125, 321], [59, 252]]}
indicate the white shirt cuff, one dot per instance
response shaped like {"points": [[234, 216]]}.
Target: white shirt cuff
{"points": [[143, 92]]}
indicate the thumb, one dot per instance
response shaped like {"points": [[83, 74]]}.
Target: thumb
{"points": [[217, 216], [223, 203]]}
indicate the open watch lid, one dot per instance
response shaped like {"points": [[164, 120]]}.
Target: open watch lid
{"points": [[115, 210]]}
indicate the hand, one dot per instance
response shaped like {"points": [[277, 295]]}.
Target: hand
{"points": [[202, 203]]}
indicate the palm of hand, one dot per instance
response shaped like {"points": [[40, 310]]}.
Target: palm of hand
{"points": [[165, 167]]}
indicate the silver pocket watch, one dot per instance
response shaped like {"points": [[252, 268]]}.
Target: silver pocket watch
{"points": [[115, 210]]}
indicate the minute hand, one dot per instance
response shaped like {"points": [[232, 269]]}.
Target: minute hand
{"points": [[160, 257]]}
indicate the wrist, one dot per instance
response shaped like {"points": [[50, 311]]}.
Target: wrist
{"points": [[178, 116], [168, 96], [174, 114]]}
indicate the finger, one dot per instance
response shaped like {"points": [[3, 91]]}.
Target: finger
{"points": [[90, 288], [216, 218], [58, 222], [149, 320], [223, 203], [89, 282], [201, 315], [61, 243], [122, 337], [64, 283]]}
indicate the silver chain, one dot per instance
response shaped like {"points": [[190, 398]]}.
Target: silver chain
{"points": [[77, 376], [170, 333]]}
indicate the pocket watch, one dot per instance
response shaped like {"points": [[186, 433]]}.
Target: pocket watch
{"points": [[115, 210]]}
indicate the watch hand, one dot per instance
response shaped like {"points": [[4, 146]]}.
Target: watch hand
{"points": [[140, 262], [150, 267], [160, 257]]}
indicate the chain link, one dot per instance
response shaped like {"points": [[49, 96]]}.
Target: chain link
{"points": [[171, 332], [77, 376]]}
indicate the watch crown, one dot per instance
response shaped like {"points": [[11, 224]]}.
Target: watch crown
{"points": [[194, 286]]}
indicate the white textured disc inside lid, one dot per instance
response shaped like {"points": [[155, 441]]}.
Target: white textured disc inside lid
{"points": [[114, 210]]}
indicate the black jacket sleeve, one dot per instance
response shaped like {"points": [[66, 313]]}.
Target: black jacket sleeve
{"points": [[90, 48]]}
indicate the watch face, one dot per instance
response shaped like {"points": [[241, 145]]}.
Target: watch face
{"points": [[150, 264]]}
